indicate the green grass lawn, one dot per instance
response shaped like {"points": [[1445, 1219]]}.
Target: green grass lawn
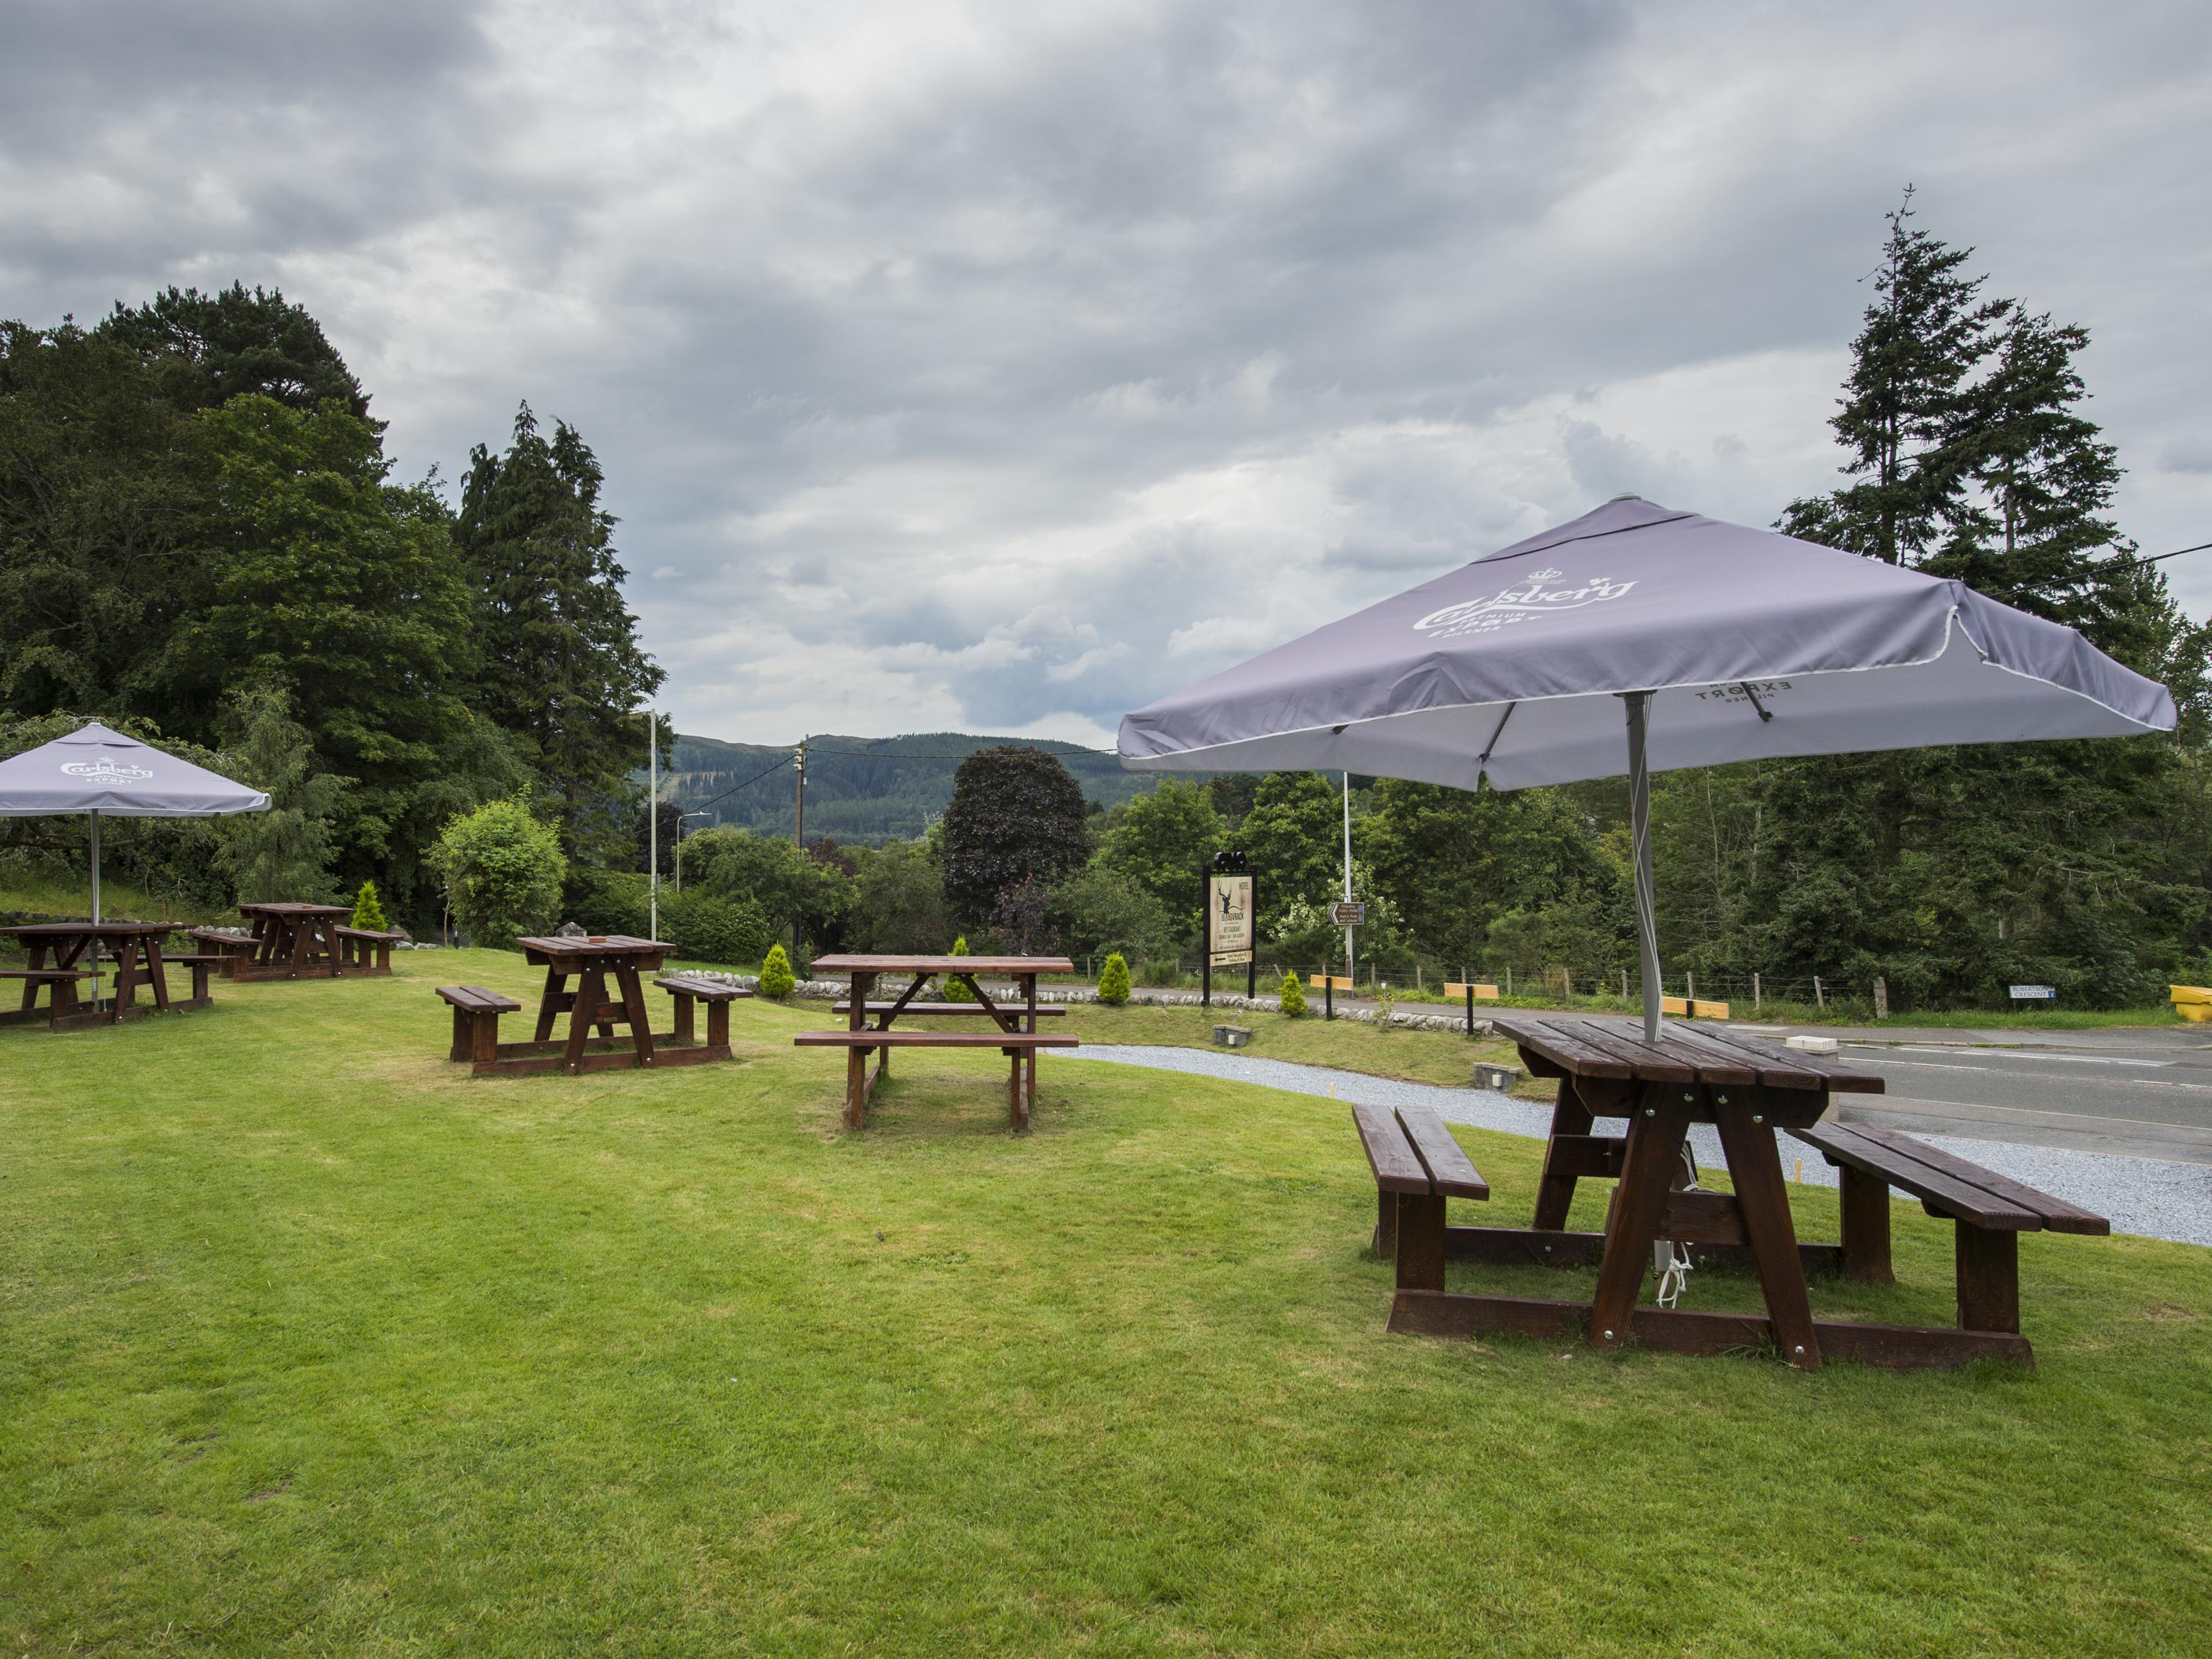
{"points": [[310, 1343]]}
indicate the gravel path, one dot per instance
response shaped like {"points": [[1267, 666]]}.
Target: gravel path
{"points": [[2143, 1195]]}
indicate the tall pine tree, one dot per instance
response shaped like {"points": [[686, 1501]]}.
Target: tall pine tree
{"points": [[562, 667], [1900, 415]]}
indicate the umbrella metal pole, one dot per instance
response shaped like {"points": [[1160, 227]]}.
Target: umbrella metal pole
{"points": [[1639, 808], [95, 907]]}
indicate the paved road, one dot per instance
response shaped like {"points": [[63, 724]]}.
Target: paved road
{"points": [[2144, 1093]]}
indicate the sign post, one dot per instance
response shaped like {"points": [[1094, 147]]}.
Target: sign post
{"points": [[1230, 933]]}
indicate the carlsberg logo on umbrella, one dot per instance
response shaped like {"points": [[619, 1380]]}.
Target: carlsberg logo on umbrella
{"points": [[107, 771], [1517, 605]]}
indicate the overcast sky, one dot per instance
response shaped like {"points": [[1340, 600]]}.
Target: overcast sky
{"points": [[1002, 367]]}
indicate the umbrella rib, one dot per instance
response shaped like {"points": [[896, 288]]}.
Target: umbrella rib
{"points": [[1491, 748], [1764, 714]]}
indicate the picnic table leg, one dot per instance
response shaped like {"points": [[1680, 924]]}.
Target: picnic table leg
{"points": [[1555, 1190], [584, 1013], [1420, 1241], [718, 1026], [156, 973], [856, 1059], [682, 1031], [126, 980], [465, 1035], [633, 998], [1386, 1224], [1030, 1059], [30, 985], [1755, 1170], [1988, 1279], [1656, 1128], [549, 1005], [1865, 1203]]}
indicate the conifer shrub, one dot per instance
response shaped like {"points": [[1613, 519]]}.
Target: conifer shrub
{"points": [[776, 977], [1294, 996], [954, 990], [1114, 981], [368, 910]]}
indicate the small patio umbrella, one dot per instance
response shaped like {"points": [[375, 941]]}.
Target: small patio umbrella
{"points": [[95, 771], [1637, 638]]}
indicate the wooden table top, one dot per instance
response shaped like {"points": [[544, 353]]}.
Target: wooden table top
{"points": [[944, 964], [610, 944], [290, 907], [80, 929], [1613, 1046]]}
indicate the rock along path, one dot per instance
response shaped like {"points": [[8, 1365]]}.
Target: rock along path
{"points": [[2145, 1196]]}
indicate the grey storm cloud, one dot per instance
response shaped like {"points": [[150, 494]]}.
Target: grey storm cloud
{"points": [[1006, 365]]}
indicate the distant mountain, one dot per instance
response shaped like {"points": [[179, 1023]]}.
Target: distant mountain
{"points": [[859, 789]]}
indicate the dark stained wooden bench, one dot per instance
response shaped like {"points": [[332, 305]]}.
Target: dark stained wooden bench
{"points": [[1417, 1165], [358, 945], [205, 964], [1989, 1212], [233, 949], [717, 996], [1049, 1010], [476, 1021], [63, 1006]]}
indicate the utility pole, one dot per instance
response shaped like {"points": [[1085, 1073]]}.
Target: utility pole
{"points": [[798, 835], [1351, 971]]}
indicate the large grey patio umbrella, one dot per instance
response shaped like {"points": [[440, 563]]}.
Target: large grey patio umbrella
{"points": [[1635, 639], [96, 771]]}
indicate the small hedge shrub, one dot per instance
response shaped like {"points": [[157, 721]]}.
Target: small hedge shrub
{"points": [[775, 978], [1114, 981], [1294, 996]]}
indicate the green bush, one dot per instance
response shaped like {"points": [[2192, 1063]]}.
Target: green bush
{"points": [[1294, 996], [368, 910], [708, 927], [502, 871], [775, 978], [607, 901], [1114, 981]]}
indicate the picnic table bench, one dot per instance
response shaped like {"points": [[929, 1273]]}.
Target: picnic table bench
{"points": [[688, 989], [1989, 1212], [364, 950], [232, 948], [1747, 1089], [476, 1021], [1015, 1036]]}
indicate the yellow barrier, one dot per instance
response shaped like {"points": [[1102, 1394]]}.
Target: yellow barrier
{"points": [[1322, 982], [1700, 1010], [1482, 992]]}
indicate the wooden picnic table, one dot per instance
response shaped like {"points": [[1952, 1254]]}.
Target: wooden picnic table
{"points": [[1016, 1035], [607, 993], [1747, 1089], [290, 939], [57, 948]]}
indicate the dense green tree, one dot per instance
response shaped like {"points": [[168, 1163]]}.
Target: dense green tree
{"points": [[503, 867], [1453, 862], [206, 349], [1101, 908], [560, 664], [100, 486], [326, 581], [1015, 813], [1294, 836], [898, 902], [283, 854], [1901, 420], [1160, 843], [777, 876]]}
